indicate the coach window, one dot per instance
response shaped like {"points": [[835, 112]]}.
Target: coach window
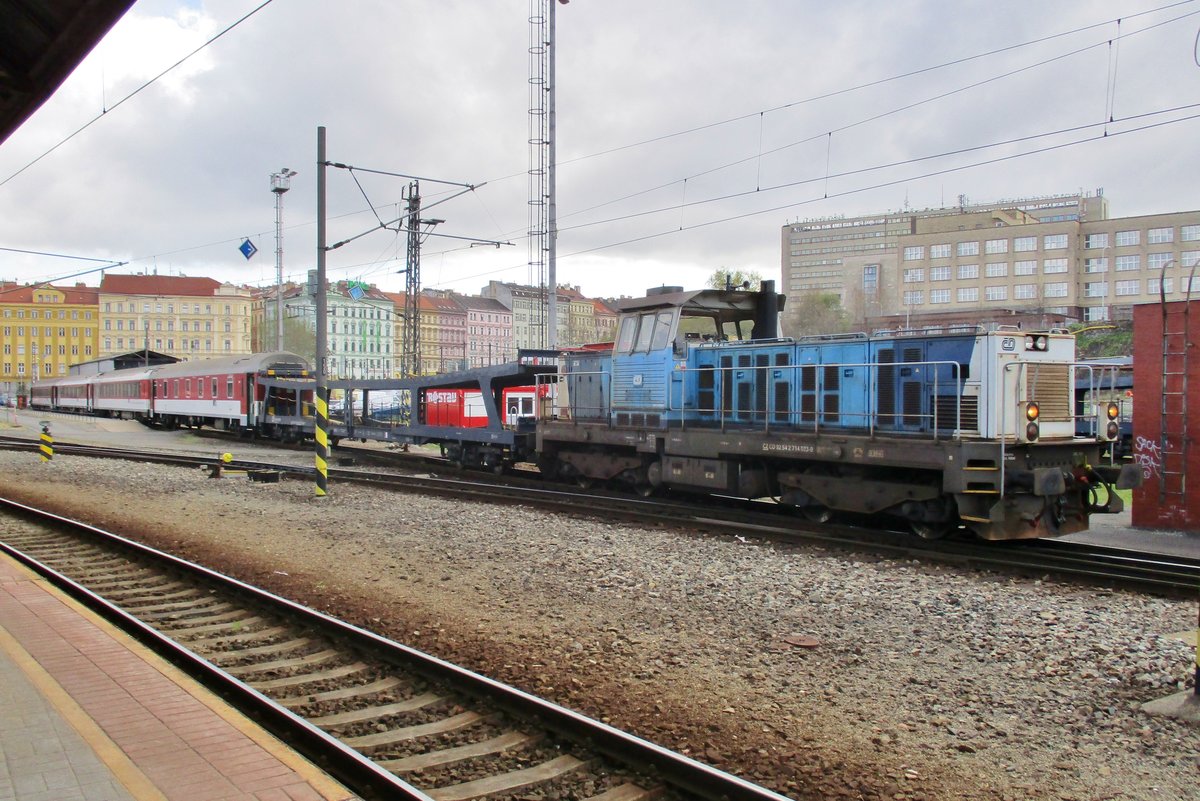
{"points": [[214, 388], [229, 386], [199, 387]]}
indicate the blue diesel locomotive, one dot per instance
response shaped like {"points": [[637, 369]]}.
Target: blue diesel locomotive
{"points": [[972, 428]]}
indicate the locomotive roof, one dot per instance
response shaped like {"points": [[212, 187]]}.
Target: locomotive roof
{"points": [[701, 300]]}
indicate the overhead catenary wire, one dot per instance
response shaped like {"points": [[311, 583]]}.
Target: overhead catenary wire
{"points": [[105, 111], [761, 113], [866, 188]]}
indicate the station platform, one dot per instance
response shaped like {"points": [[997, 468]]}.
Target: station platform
{"points": [[89, 714]]}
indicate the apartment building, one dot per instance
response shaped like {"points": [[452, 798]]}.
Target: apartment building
{"points": [[443, 337], [360, 334], [187, 318], [489, 331], [528, 304], [46, 329]]}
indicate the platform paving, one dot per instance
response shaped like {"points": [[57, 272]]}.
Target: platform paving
{"points": [[88, 713]]}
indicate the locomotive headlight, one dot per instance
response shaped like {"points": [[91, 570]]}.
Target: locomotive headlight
{"points": [[1031, 431], [1036, 342], [1031, 411], [1112, 429], [1113, 410]]}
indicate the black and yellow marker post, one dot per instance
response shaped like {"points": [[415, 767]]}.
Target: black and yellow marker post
{"points": [[321, 392], [47, 446], [321, 438]]}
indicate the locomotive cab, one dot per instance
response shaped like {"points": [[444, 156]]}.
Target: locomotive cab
{"points": [[656, 333]]}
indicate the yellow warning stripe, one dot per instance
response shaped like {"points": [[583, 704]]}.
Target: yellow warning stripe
{"points": [[140, 787], [328, 787]]}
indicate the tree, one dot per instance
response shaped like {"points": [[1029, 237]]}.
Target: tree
{"points": [[724, 277], [817, 313]]}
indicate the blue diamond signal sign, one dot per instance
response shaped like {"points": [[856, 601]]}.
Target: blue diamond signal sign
{"points": [[247, 248]]}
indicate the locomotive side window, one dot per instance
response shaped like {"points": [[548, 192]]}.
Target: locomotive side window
{"points": [[627, 333], [645, 331], [662, 329]]}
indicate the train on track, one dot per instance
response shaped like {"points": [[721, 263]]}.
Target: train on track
{"points": [[968, 428], [265, 394]]}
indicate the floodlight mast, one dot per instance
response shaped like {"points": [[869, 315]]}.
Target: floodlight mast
{"points": [[280, 182]]}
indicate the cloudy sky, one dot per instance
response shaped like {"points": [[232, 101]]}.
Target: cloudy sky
{"points": [[689, 131]]}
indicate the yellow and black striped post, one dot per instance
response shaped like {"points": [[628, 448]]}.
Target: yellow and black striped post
{"points": [[321, 438], [47, 446]]}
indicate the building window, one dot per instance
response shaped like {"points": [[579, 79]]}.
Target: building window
{"points": [[996, 293], [1054, 241], [1095, 265], [1160, 236], [1025, 291], [914, 276], [1095, 313], [996, 246], [1025, 268], [968, 271], [1189, 233], [1157, 261], [1127, 238], [1154, 286], [870, 277], [1133, 287], [997, 270], [1095, 241], [914, 252], [1095, 289], [1127, 263], [1024, 243], [939, 273], [1054, 265], [914, 298], [939, 251], [968, 294], [939, 296], [1054, 291], [1195, 282], [968, 248]]}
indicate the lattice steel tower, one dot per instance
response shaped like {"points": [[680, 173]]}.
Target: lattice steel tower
{"points": [[543, 227]]}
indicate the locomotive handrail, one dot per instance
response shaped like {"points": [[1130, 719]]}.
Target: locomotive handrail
{"points": [[870, 413], [1111, 370]]}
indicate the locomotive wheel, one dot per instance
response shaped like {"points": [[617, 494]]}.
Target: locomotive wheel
{"points": [[817, 514], [930, 531]]}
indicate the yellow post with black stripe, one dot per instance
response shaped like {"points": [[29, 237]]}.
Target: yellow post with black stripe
{"points": [[47, 446], [321, 438]]}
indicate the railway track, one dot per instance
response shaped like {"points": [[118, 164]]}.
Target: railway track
{"points": [[1071, 560], [389, 721]]}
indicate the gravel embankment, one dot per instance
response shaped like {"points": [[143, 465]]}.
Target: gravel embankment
{"points": [[820, 674]]}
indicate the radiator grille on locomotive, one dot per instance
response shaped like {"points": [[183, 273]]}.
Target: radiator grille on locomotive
{"points": [[1050, 386]]}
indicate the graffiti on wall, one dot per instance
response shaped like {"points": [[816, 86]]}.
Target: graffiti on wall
{"points": [[1147, 454]]}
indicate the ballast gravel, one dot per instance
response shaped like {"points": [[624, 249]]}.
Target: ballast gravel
{"points": [[821, 674]]}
